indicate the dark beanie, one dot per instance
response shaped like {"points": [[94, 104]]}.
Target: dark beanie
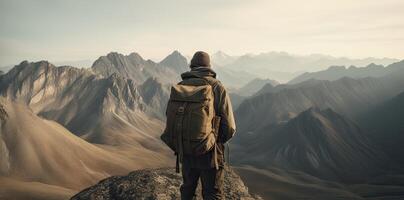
{"points": [[200, 59]]}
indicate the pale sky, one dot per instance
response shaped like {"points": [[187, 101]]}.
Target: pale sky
{"points": [[78, 29]]}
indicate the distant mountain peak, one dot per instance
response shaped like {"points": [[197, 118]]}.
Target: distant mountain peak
{"points": [[336, 67], [220, 53], [136, 56], [373, 65], [175, 61], [174, 55]]}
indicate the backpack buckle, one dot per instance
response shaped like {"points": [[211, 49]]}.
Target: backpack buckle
{"points": [[181, 110]]}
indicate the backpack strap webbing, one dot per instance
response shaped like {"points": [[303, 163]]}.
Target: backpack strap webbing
{"points": [[180, 153]]}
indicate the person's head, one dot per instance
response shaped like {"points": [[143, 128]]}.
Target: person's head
{"points": [[200, 59]]}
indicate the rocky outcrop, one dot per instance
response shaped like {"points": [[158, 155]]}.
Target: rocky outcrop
{"points": [[156, 184]]}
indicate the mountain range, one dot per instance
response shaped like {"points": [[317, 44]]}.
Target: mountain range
{"points": [[321, 143], [345, 131], [272, 105], [282, 66], [337, 72], [113, 106], [328, 133]]}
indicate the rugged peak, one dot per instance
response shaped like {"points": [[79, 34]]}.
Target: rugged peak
{"points": [[175, 53], [175, 61], [159, 184], [132, 66], [113, 54], [136, 56]]}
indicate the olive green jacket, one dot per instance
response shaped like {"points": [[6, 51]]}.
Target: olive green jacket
{"points": [[223, 109]]}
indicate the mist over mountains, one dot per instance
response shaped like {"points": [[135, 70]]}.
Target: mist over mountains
{"points": [[335, 131], [337, 72], [282, 66]]}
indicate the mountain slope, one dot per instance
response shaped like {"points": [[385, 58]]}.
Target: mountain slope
{"points": [[103, 110], [155, 94], [280, 184], [321, 143], [385, 126], [44, 151], [337, 72]]}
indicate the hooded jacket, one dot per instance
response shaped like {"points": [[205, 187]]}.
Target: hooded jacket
{"points": [[223, 109]]}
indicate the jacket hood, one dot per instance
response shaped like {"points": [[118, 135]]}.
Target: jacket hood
{"points": [[197, 72]]}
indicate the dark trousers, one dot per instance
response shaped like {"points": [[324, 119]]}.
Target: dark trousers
{"points": [[212, 183]]}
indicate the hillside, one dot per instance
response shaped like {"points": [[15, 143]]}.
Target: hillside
{"points": [[280, 184], [321, 143], [385, 126], [43, 151]]}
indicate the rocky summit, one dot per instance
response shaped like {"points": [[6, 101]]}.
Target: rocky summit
{"points": [[157, 184]]}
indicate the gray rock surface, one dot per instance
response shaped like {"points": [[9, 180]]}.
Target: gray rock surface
{"points": [[156, 184]]}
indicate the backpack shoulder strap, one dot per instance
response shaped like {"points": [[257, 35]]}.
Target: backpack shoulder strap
{"points": [[211, 81]]}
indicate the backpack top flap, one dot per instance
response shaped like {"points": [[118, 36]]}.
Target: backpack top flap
{"points": [[191, 93]]}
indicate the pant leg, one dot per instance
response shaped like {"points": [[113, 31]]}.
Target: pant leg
{"points": [[190, 178], [212, 184]]}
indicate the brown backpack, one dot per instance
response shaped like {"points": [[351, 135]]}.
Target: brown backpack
{"points": [[191, 127]]}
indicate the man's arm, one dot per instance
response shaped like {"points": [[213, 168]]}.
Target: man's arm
{"points": [[227, 126]]}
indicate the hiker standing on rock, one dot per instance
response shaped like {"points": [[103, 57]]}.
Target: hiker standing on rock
{"points": [[199, 122]]}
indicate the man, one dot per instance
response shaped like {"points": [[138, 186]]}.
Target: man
{"points": [[207, 166]]}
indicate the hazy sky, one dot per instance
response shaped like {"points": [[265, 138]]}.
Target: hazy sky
{"points": [[78, 29]]}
